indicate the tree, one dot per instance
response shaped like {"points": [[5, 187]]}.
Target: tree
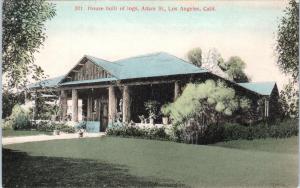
{"points": [[211, 61], [287, 39], [289, 100], [234, 68], [195, 56], [9, 100], [23, 35], [287, 48]]}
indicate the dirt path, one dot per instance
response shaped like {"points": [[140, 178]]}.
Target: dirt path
{"points": [[37, 138]]}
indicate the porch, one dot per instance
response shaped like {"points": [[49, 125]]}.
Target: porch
{"points": [[103, 105]]}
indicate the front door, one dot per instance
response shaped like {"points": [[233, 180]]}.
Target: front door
{"points": [[103, 115]]}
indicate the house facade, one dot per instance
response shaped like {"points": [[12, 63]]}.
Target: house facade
{"points": [[100, 91]]}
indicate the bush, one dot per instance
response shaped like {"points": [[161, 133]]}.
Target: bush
{"points": [[237, 131], [284, 129], [213, 101], [65, 128], [19, 118], [9, 100], [48, 126], [133, 131], [209, 134], [196, 134], [44, 126], [233, 131]]}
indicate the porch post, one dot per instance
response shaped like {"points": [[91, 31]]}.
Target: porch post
{"points": [[266, 107], [63, 104], [126, 104], [35, 106], [112, 104], [89, 108], [74, 105], [176, 90]]}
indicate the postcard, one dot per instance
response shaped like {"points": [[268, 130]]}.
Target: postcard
{"points": [[150, 93]]}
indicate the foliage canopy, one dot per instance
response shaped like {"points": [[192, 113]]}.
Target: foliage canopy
{"points": [[234, 68], [23, 35], [195, 56], [287, 45], [210, 99]]}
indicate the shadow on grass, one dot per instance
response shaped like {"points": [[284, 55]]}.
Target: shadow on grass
{"points": [[23, 170]]}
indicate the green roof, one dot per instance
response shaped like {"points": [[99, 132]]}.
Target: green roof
{"points": [[262, 88], [155, 65], [150, 65], [112, 68], [51, 82]]}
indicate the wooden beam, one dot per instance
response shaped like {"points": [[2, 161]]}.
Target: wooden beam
{"points": [[176, 90], [126, 104], [147, 82], [63, 104], [266, 107], [34, 107], [89, 108], [74, 87], [74, 105], [112, 104]]}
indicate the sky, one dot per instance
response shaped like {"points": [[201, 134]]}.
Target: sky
{"points": [[235, 28]]}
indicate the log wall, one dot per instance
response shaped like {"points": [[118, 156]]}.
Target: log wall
{"points": [[87, 71]]}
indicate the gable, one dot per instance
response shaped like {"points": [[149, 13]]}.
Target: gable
{"points": [[86, 70]]}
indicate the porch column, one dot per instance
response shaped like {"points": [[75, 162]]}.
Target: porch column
{"points": [[63, 104], [89, 108], [74, 105], [176, 90], [126, 104], [112, 104], [266, 107], [34, 114]]}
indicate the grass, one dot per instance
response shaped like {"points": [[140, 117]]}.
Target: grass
{"points": [[125, 162], [285, 146], [12, 133]]}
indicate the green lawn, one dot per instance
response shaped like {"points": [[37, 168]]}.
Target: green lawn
{"points": [[125, 162], [11, 133]]}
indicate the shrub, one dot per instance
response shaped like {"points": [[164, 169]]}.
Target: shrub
{"points": [[197, 134], [65, 128], [48, 126], [152, 109], [133, 131], [44, 126], [9, 100], [236, 131], [232, 131], [19, 118], [212, 100], [284, 129]]}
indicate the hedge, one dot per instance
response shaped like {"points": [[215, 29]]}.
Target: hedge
{"points": [[211, 133]]}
